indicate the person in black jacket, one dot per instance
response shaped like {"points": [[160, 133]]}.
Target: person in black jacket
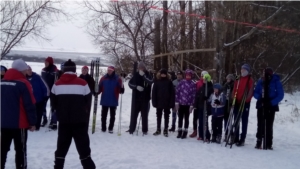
{"points": [[163, 99], [70, 96], [227, 90], [199, 106], [141, 82], [3, 71]]}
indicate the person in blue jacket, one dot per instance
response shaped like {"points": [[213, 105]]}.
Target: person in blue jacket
{"points": [[40, 93], [110, 86], [268, 92]]}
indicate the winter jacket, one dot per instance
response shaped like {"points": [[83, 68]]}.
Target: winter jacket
{"points": [[276, 92], [17, 101], [217, 110], [185, 92], [143, 81], [163, 93], [39, 87], [49, 75], [227, 90], [199, 84], [70, 96], [243, 85], [110, 87], [90, 80], [200, 95], [176, 82]]}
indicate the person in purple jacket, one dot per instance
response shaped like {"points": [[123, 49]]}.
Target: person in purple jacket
{"points": [[185, 95]]}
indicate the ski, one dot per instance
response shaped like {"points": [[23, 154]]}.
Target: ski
{"points": [[120, 115], [96, 72], [135, 65], [205, 114], [264, 100]]}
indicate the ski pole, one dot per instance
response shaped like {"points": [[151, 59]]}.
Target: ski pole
{"points": [[120, 118], [137, 132]]}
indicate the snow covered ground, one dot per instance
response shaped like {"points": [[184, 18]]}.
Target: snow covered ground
{"points": [[111, 151]]}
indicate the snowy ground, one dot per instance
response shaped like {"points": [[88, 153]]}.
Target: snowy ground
{"points": [[111, 151]]}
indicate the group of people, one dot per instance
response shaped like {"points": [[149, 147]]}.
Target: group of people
{"points": [[25, 94], [185, 95]]}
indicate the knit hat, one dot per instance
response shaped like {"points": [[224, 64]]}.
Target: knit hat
{"points": [[246, 67], [188, 72], [19, 65], [111, 68], [69, 66], [203, 73], [164, 71], [142, 65], [217, 86], [269, 71], [3, 68], [230, 76], [85, 67], [49, 59], [179, 73]]}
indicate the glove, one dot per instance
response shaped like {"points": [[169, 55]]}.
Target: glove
{"points": [[217, 102], [142, 73], [176, 107], [207, 77], [191, 109], [140, 88], [122, 90]]}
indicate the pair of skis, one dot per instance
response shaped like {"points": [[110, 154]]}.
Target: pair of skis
{"points": [[95, 71]]}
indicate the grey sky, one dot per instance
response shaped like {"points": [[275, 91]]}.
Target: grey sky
{"points": [[65, 35]]}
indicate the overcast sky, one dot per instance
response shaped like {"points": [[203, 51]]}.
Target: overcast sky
{"points": [[65, 35]]}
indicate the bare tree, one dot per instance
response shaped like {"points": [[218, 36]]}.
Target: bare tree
{"points": [[24, 19]]}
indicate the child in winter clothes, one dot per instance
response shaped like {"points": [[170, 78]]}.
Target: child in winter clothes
{"points": [[227, 90], [185, 95], [217, 100], [200, 100]]}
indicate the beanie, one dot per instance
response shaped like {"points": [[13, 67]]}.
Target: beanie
{"points": [[49, 59], [203, 73], [269, 71], [141, 65], [230, 76], [19, 65], [217, 86], [111, 68], [85, 67], [3, 68], [163, 71], [69, 66], [189, 72], [246, 67]]}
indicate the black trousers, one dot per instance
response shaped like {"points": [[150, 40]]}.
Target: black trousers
{"points": [[159, 113], [216, 123], [104, 113], [20, 139], [81, 138], [142, 107], [226, 114], [201, 126], [39, 114], [195, 119], [270, 116], [183, 113]]}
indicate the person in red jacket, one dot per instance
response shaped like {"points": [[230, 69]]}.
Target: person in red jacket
{"points": [[18, 112], [243, 86]]}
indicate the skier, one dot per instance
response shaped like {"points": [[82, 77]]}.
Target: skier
{"points": [[185, 95], [266, 107], [70, 96], [17, 113], [174, 113], [218, 101], [48, 75], [40, 93], [227, 90], [3, 71], [91, 82], [199, 84], [110, 86], [199, 103], [141, 82], [163, 99], [245, 87]]}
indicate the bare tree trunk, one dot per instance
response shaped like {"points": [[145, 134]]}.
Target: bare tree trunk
{"points": [[182, 30], [165, 36], [191, 31], [157, 44]]}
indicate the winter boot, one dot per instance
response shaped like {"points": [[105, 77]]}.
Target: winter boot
{"points": [[194, 134], [145, 133], [199, 139], [179, 133], [240, 143], [172, 129], [225, 137], [213, 140], [44, 123], [218, 139], [53, 127], [258, 144], [111, 131], [166, 132], [269, 148], [184, 134], [158, 132]]}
